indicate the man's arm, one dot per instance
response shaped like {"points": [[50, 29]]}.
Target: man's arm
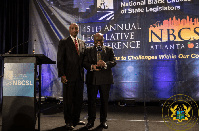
{"points": [[86, 62], [61, 58], [61, 61], [110, 63]]}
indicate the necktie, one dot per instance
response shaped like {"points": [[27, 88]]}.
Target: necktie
{"points": [[98, 55], [76, 45]]}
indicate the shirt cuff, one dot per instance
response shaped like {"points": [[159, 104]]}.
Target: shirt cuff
{"points": [[105, 67], [91, 68]]}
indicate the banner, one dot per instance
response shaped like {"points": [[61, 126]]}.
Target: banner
{"points": [[19, 79], [156, 43]]}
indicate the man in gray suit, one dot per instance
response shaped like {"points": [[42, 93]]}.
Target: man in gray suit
{"points": [[70, 69], [98, 61]]}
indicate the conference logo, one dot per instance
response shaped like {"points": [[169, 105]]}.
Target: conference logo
{"points": [[105, 9], [175, 29], [8, 75], [180, 112], [190, 45]]}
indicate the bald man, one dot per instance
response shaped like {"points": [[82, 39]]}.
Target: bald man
{"points": [[98, 61], [70, 69]]}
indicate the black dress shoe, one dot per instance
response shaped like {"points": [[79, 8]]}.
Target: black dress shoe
{"points": [[69, 126], [79, 123], [89, 125], [104, 125]]}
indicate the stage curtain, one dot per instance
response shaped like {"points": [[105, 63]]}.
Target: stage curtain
{"points": [[14, 31]]}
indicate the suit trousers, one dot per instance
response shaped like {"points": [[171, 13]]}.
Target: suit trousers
{"points": [[72, 101], [92, 91]]}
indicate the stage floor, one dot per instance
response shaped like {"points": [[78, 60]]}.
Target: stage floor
{"points": [[120, 118]]}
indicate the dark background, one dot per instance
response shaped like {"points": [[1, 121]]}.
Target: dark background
{"points": [[14, 29]]}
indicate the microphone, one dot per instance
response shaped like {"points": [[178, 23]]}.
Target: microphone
{"points": [[15, 47]]}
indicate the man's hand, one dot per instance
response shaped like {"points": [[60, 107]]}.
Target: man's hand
{"points": [[63, 79], [101, 63], [94, 67]]}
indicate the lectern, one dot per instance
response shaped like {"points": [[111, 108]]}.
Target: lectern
{"points": [[21, 108]]}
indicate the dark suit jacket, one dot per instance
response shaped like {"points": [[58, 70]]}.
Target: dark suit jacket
{"points": [[103, 76], [69, 63]]}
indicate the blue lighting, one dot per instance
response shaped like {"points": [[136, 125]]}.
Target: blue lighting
{"points": [[128, 78], [164, 77], [83, 4], [46, 81]]}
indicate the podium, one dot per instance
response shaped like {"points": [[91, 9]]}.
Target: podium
{"points": [[20, 106]]}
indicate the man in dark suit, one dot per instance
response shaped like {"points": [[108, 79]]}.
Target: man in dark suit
{"points": [[70, 69], [98, 61]]}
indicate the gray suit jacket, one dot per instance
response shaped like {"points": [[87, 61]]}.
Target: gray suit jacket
{"points": [[103, 76]]}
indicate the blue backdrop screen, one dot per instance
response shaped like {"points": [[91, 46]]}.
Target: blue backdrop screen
{"points": [[156, 43]]}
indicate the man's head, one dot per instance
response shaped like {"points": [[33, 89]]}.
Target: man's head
{"points": [[98, 39], [73, 29]]}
